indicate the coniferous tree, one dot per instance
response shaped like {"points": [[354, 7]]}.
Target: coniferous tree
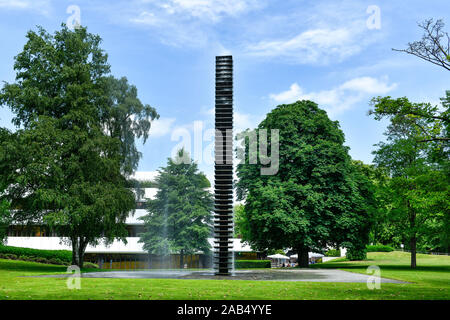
{"points": [[179, 219]]}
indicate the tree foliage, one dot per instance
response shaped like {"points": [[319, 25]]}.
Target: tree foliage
{"points": [[431, 123], [418, 160], [5, 220], [179, 218], [382, 230], [418, 184], [66, 165], [318, 197], [125, 117], [240, 222]]}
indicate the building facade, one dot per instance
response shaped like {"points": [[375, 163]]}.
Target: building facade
{"points": [[118, 255]]}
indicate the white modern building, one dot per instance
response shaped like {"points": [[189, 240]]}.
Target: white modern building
{"points": [[118, 255]]}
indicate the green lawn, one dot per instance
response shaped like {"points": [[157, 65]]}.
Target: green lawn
{"points": [[431, 280]]}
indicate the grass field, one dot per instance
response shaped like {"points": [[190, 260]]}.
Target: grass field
{"points": [[431, 280]]}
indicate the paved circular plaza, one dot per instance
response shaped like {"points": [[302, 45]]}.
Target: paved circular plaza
{"points": [[313, 275]]}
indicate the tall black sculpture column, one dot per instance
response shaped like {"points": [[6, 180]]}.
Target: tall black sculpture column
{"points": [[223, 168]]}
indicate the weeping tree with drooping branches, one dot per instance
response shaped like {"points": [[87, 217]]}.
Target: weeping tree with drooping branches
{"points": [[67, 165]]}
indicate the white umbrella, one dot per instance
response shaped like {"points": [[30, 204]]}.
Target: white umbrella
{"points": [[278, 256], [310, 255], [315, 255]]}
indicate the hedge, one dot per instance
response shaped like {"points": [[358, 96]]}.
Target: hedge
{"points": [[244, 264], [11, 256], [51, 256], [90, 265], [333, 253], [379, 248], [356, 254]]}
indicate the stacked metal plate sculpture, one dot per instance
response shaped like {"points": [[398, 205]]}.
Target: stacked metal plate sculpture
{"points": [[223, 168]]}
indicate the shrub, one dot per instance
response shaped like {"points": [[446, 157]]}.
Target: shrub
{"points": [[25, 258], [379, 248], [11, 256], [90, 265], [333, 253], [41, 260], [58, 257], [356, 255], [242, 264], [64, 256], [356, 251], [57, 261]]}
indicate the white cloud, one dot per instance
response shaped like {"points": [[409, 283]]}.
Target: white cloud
{"points": [[209, 10], [320, 33], [340, 98], [14, 4], [291, 95], [184, 22], [244, 121], [222, 51], [368, 85], [40, 6], [315, 46], [147, 18], [392, 63], [161, 127], [311, 46]]}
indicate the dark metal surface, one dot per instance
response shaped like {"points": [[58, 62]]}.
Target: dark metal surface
{"points": [[223, 167]]}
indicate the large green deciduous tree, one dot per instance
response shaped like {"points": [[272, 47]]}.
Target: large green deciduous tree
{"points": [[240, 222], [5, 219], [433, 123], [318, 198], [419, 188], [66, 166], [382, 230], [5, 214], [179, 218]]}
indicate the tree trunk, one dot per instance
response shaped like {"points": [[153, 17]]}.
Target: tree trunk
{"points": [[182, 259], [413, 252], [413, 239], [78, 249], [81, 257], [74, 252], [302, 260], [82, 252]]}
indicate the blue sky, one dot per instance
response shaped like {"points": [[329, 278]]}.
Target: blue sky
{"points": [[325, 51]]}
